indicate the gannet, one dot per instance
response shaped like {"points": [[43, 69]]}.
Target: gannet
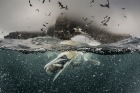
{"points": [[64, 59]]}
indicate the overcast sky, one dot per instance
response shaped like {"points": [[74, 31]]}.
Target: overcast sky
{"points": [[17, 15]]}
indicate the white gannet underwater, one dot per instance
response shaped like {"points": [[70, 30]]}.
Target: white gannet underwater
{"points": [[64, 59]]}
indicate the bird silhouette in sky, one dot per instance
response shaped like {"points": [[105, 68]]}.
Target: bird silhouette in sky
{"points": [[85, 19], [43, 1], [42, 29], [106, 5], [49, 14], [105, 17], [44, 25], [30, 3], [92, 1], [62, 6], [125, 16], [105, 21], [66, 7], [37, 10]]}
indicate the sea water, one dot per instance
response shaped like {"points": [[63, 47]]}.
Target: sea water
{"points": [[22, 67], [25, 73]]}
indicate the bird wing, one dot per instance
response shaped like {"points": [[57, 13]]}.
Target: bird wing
{"points": [[56, 60], [67, 64]]}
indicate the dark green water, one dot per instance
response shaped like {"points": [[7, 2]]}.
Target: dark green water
{"points": [[24, 73]]}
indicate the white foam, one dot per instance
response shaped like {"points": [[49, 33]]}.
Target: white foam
{"points": [[85, 39]]}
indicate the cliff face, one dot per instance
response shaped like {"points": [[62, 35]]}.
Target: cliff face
{"points": [[64, 29]]}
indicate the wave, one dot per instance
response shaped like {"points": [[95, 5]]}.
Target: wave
{"points": [[43, 44]]}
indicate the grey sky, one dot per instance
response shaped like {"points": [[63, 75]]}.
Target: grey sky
{"points": [[17, 15]]}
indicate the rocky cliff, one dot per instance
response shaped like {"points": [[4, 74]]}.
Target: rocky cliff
{"points": [[64, 29], [24, 35]]}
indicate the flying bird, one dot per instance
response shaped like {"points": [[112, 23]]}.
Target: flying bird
{"points": [[92, 1], [123, 8], [105, 21], [66, 7], [37, 10], [85, 19], [30, 3], [125, 16], [49, 14], [42, 29], [105, 17], [44, 25], [43, 1], [106, 5], [61, 5]]}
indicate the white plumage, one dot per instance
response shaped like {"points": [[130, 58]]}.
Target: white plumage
{"points": [[66, 58]]}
